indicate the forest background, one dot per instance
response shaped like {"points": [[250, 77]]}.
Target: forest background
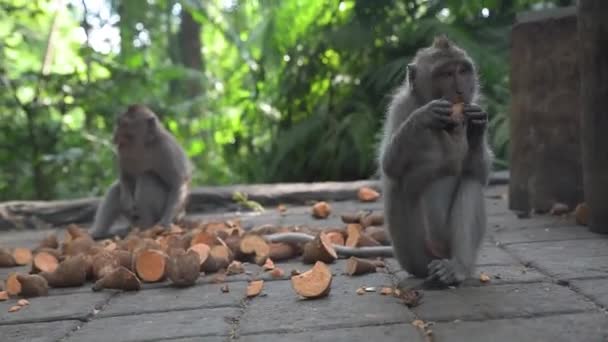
{"points": [[255, 90]]}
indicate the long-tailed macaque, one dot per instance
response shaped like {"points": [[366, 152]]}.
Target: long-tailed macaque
{"points": [[154, 175], [434, 166]]}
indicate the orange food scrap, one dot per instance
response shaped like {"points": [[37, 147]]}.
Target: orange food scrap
{"points": [[150, 265], [277, 273], [386, 291], [321, 210], [23, 256], [581, 213], [319, 249], [268, 265], [367, 194], [313, 283], [254, 288], [235, 267]]}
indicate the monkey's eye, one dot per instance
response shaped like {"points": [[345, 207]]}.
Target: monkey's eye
{"points": [[465, 69], [446, 74]]}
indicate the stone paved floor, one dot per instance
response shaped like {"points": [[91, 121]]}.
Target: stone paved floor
{"points": [[549, 282]]}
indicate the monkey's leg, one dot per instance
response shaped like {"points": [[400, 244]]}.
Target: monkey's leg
{"points": [[406, 226], [108, 211], [150, 198], [176, 197], [467, 225], [424, 235]]}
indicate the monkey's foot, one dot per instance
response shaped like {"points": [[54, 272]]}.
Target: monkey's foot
{"points": [[99, 234], [449, 272]]}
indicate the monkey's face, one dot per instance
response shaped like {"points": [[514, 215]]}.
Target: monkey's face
{"points": [[132, 130], [454, 81]]}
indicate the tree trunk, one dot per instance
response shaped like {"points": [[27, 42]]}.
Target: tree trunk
{"points": [[593, 66], [189, 40]]}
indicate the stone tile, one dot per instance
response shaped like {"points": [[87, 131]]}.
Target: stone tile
{"points": [[252, 271], [566, 259], [337, 268], [496, 206], [490, 254], [281, 310], [497, 191], [596, 289], [170, 299], [86, 288], [25, 238], [505, 275], [333, 220], [200, 339], [5, 271], [158, 326], [499, 301], [37, 332], [551, 233], [213, 278], [499, 275], [510, 221], [560, 328], [49, 308], [389, 333]]}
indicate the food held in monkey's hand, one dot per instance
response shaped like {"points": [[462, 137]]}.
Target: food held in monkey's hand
{"points": [[457, 112]]}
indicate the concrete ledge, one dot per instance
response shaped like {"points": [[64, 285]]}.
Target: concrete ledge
{"points": [[33, 214]]}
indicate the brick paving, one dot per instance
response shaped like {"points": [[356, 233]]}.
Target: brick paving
{"points": [[549, 282]]}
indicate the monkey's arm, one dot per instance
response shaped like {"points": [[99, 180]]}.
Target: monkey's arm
{"points": [[478, 162], [413, 146], [176, 175], [395, 157], [127, 190]]}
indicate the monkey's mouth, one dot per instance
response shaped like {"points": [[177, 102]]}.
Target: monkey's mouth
{"points": [[121, 142]]}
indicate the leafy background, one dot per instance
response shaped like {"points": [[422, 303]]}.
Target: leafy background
{"points": [[255, 90]]}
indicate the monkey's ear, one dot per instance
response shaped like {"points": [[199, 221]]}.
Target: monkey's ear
{"points": [[151, 130], [411, 73]]}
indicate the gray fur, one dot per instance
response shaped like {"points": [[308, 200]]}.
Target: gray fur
{"points": [[433, 173], [155, 173]]}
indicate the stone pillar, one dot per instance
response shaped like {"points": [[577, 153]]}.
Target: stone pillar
{"points": [[545, 152], [593, 56]]}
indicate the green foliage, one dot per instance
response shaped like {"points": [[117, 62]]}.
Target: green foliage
{"points": [[242, 199], [291, 90]]}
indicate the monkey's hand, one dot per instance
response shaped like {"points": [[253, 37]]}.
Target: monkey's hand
{"points": [[477, 121], [436, 114]]}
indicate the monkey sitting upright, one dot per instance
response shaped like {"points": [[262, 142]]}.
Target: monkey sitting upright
{"points": [[154, 175], [434, 166]]}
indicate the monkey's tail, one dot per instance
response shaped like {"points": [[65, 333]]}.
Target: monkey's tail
{"points": [[361, 252]]}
